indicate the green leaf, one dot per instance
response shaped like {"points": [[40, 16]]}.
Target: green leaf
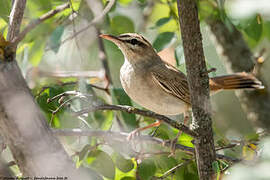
{"points": [[120, 97], [127, 178], [185, 140], [141, 1], [125, 165], [36, 51], [189, 171], [56, 122], [252, 137], [121, 24], [84, 151], [253, 28], [163, 40], [102, 163], [266, 28], [147, 169], [55, 38], [206, 9], [55, 90], [215, 166], [162, 21], [163, 131], [103, 120], [163, 162], [124, 2], [5, 9], [38, 7]]}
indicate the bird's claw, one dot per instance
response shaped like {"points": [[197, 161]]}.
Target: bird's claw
{"points": [[132, 135]]}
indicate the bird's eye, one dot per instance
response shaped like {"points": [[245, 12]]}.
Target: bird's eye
{"points": [[134, 41]]}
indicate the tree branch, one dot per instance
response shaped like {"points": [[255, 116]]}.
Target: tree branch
{"points": [[38, 21], [15, 19], [198, 81], [103, 57], [130, 109], [122, 137], [95, 21], [67, 74], [96, 8], [25, 130]]}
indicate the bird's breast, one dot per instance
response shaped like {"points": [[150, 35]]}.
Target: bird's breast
{"points": [[141, 88]]}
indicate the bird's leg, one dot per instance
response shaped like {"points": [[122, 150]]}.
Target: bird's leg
{"points": [[136, 131], [174, 141]]}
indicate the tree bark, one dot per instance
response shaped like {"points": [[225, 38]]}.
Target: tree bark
{"points": [[238, 57], [34, 148], [15, 17], [199, 87], [36, 151]]}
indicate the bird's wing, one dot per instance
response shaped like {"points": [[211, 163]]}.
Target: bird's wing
{"points": [[171, 80]]}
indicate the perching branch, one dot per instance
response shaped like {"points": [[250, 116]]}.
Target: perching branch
{"points": [[133, 110], [36, 22], [128, 109], [198, 81]]}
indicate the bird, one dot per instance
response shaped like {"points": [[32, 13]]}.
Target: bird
{"points": [[160, 87]]}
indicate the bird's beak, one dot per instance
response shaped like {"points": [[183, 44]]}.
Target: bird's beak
{"points": [[110, 38]]}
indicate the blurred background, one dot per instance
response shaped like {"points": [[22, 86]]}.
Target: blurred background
{"points": [[54, 60]]}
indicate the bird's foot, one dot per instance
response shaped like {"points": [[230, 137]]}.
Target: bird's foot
{"points": [[133, 134], [173, 146]]}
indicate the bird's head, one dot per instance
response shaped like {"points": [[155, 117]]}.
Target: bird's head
{"points": [[134, 46]]}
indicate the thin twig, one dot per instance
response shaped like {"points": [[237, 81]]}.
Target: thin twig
{"points": [[96, 8], [70, 83], [226, 147], [67, 93], [36, 22], [75, 74], [74, 32], [93, 22], [11, 163], [103, 57], [129, 109], [172, 170], [63, 104]]}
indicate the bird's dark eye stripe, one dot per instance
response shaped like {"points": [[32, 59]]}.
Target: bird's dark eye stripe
{"points": [[134, 41]]}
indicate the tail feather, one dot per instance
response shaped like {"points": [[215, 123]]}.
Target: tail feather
{"points": [[235, 81]]}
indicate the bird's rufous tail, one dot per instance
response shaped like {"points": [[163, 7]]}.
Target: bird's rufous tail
{"points": [[235, 81]]}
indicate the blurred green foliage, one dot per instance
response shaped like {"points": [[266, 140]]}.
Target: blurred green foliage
{"points": [[43, 48]]}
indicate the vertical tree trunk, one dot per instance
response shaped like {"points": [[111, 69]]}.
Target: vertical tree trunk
{"points": [[199, 87]]}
